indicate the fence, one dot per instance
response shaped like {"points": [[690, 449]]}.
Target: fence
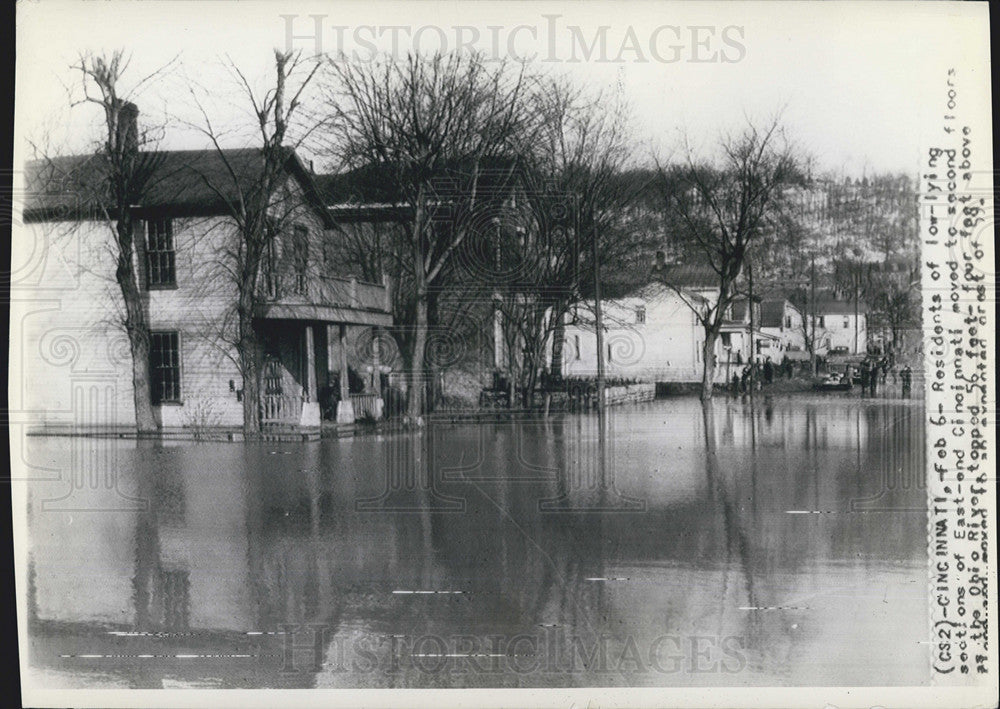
{"points": [[366, 406], [280, 409]]}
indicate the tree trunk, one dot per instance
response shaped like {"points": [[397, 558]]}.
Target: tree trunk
{"points": [[136, 326], [250, 366], [558, 341], [708, 357], [415, 374], [432, 373]]}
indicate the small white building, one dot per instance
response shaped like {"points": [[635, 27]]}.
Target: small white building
{"points": [[781, 320], [651, 335], [837, 329], [844, 325], [654, 335]]}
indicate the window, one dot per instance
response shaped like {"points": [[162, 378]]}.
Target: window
{"points": [[727, 340], [160, 253], [300, 257], [788, 321], [847, 323], [640, 315], [822, 321], [576, 344], [165, 367]]}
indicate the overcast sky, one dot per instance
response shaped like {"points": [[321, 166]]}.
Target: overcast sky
{"points": [[861, 85]]}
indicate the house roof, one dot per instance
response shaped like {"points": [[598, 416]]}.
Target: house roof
{"points": [[372, 192], [829, 306], [195, 182], [739, 310], [687, 276], [644, 292], [772, 312]]}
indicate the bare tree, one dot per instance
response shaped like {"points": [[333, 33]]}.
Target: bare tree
{"points": [[720, 211], [895, 299], [579, 165], [257, 202], [432, 124], [111, 186]]}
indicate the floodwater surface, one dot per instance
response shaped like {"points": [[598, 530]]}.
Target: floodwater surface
{"points": [[779, 545]]}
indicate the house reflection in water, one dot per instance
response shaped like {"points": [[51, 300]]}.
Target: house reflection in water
{"points": [[783, 538]]}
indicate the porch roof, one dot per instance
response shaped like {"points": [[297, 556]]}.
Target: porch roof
{"points": [[324, 313], [336, 300]]}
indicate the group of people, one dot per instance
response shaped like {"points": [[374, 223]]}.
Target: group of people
{"points": [[874, 371], [757, 373]]}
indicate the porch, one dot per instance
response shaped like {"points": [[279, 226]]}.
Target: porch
{"points": [[305, 377]]}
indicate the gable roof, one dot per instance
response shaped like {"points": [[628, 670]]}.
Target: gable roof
{"points": [[687, 276], [839, 307], [772, 312], [372, 192], [185, 182]]}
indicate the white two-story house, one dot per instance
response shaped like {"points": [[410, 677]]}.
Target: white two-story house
{"points": [[74, 353]]}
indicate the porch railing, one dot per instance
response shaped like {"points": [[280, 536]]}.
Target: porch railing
{"points": [[288, 287], [365, 405], [278, 409]]}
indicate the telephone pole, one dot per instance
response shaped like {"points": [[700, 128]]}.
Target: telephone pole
{"points": [[598, 322]]}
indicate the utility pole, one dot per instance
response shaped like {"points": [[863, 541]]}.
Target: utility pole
{"points": [[856, 314], [753, 349], [812, 310], [598, 322]]}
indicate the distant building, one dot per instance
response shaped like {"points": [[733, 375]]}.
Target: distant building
{"points": [[654, 334], [831, 322], [651, 335], [843, 324], [783, 321]]}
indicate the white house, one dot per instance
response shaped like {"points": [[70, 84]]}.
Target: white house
{"points": [[837, 329], [654, 335], [781, 320], [844, 325], [74, 341]]}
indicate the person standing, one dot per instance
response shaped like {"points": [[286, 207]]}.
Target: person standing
{"points": [[768, 371], [866, 371], [906, 376]]}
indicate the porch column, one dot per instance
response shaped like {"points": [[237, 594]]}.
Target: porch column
{"points": [[376, 371], [376, 356], [310, 403], [345, 409]]}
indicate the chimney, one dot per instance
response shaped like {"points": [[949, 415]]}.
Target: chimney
{"points": [[128, 128]]}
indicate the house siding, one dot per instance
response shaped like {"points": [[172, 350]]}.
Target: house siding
{"points": [[665, 348]]}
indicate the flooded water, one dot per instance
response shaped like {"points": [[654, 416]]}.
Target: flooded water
{"points": [[781, 547]]}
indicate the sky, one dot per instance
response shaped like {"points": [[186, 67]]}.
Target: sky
{"points": [[859, 86]]}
